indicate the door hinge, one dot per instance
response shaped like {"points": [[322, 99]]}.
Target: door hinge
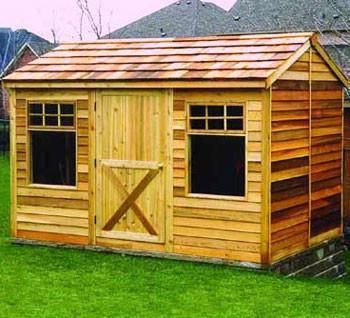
{"points": [[95, 163], [95, 106], [95, 219]]}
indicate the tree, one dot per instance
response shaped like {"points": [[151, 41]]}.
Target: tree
{"points": [[94, 20]]}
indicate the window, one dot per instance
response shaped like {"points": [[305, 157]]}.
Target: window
{"points": [[51, 115], [53, 143], [220, 118], [217, 155]]}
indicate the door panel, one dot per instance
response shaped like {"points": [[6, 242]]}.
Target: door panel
{"points": [[132, 165]]}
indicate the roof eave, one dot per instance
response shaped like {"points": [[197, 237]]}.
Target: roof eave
{"points": [[329, 60], [252, 83], [287, 64]]}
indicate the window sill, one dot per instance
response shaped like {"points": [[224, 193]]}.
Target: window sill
{"points": [[216, 197], [53, 187]]}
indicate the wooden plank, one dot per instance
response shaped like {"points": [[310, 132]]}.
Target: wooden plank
{"points": [[52, 193], [216, 244], [217, 234], [52, 220], [53, 202], [52, 237], [218, 224], [49, 228], [225, 215], [215, 253], [217, 205], [289, 173], [129, 245], [52, 211], [326, 236], [131, 164]]}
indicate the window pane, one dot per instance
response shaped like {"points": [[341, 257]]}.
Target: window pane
{"points": [[67, 109], [51, 121], [35, 120], [36, 108], [53, 158], [215, 124], [218, 165], [234, 111], [235, 124], [67, 121], [215, 111], [198, 124], [197, 111], [51, 109]]}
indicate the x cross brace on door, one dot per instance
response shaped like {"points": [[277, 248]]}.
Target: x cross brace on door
{"points": [[130, 200]]}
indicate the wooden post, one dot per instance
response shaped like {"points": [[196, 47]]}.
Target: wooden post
{"points": [[13, 160], [266, 180], [92, 167]]}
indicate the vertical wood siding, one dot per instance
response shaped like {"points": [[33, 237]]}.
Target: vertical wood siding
{"points": [[52, 214], [228, 229]]}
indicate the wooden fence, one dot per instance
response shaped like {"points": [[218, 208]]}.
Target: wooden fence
{"points": [[4, 136]]}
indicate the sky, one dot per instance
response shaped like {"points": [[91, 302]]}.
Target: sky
{"points": [[62, 16]]}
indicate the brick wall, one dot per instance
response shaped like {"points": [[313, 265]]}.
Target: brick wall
{"points": [[26, 56]]}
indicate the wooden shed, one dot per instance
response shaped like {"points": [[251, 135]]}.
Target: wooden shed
{"points": [[223, 148]]}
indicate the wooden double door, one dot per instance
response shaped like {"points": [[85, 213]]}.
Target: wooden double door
{"points": [[133, 165]]}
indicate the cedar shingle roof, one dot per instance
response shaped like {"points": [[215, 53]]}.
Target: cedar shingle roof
{"points": [[218, 57]]}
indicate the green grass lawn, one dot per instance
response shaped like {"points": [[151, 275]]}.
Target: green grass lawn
{"points": [[48, 282]]}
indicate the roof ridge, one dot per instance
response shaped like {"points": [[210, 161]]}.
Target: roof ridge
{"points": [[196, 13], [261, 35]]}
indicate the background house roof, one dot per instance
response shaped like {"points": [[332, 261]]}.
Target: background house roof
{"points": [[331, 18], [11, 43], [287, 15], [237, 57], [183, 18]]}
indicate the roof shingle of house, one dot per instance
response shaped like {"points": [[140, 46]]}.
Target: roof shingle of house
{"points": [[11, 43], [183, 18], [287, 15]]}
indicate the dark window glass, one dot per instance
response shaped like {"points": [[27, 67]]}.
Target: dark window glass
{"points": [[67, 121], [36, 108], [234, 111], [198, 124], [51, 109], [53, 158], [67, 109], [218, 165], [35, 120], [235, 124], [51, 121], [215, 124], [215, 111], [197, 111]]}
